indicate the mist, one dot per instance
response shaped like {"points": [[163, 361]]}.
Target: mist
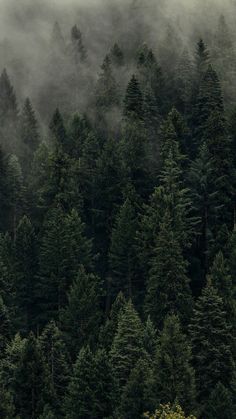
{"points": [[26, 49]]}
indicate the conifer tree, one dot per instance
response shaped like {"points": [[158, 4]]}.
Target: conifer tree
{"points": [[127, 347], [64, 247], [220, 404], [26, 264], [150, 338], [175, 377], [168, 288], [58, 130], [81, 318], [78, 49], [108, 331], [89, 393], [202, 58], [107, 94], [56, 358], [117, 56], [4, 191], [58, 40], [8, 105], [122, 252], [5, 327], [133, 103], [138, 395], [16, 192], [32, 391], [29, 135], [211, 338]]}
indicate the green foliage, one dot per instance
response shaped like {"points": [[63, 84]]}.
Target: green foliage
{"points": [[174, 375]]}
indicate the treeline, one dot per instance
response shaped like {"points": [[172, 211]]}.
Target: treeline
{"points": [[118, 245]]}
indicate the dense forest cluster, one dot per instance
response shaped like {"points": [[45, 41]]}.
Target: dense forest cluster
{"points": [[118, 234]]}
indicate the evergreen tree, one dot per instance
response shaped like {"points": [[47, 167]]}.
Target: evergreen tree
{"points": [[138, 395], [133, 103], [150, 338], [202, 58], [220, 404], [25, 275], [78, 49], [122, 252], [211, 338], [127, 347], [32, 391], [168, 288], [108, 330], [58, 130], [81, 318], [56, 358], [63, 249], [4, 192], [89, 393], [16, 192], [58, 41], [5, 327], [117, 56], [8, 105], [175, 378], [107, 94], [29, 136]]}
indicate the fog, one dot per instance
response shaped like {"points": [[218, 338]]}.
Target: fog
{"points": [[27, 52]]}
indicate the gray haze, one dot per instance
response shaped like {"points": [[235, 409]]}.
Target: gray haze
{"points": [[26, 32]]}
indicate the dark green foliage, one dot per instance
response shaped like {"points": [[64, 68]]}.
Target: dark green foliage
{"points": [[212, 340], [174, 375], [107, 91], [91, 389], [117, 56], [29, 135], [133, 103], [127, 347], [32, 388], [8, 105], [220, 404], [122, 252], [26, 265], [81, 318], [168, 288], [55, 356], [138, 395]]}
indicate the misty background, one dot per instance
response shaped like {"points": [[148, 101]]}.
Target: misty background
{"points": [[43, 70]]}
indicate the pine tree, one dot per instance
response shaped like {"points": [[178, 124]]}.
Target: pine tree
{"points": [[78, 49], [55, 354], [133, 103], [150, 338], [117, 56], [8, 105], [202, 58], [122, 252], [29, 136], [5, 327], [58, 130], [25, 275], [211, 338], [81, 318], [222, 281], [220, 404], [32, 389], [127, 347], [175, 377], [58, 41], [205, 204], [107, 94], [108, 330], [89, 393], [168, 288], [16, 192], [64, 247], [4, 192], [184, 83], [138, 395]]}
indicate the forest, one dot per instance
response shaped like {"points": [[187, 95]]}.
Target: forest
{"points": [[117, 210]]}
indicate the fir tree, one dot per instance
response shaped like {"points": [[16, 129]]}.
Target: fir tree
{"points": [[133, 103], [175, 378], [127, 347], [89, 393], [55, 354], [117, 56], [107, 94], [8, 105], [122, 252], [25, 275], [168, 288], [211, 338], [220, 404], [29, 135], [78, 49], [81, 318]]}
